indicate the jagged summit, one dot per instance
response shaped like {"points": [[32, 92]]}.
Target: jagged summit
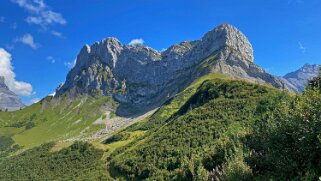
{"points": [[228, 35], [141, 77], [298, 79], [307, 70], [8, 100]]}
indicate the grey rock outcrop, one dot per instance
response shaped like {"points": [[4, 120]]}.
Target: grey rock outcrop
{"points": [[141, 78], [8, 100], [299, 78]]}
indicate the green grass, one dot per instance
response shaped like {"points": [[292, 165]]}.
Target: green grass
{"points": [[68, 119], [10, 131]]}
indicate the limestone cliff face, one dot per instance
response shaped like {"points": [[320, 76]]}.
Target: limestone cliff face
{"points": [[8, 100], [140, 77]]}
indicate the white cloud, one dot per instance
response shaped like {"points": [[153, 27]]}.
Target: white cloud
{"points": [[10, 46], [51, 59], [46, 18], [302, 48], [35, 100], [34, 6], [27, 39], [57, 34], [40, 13], [136, 42], [53, 94], [6, 70], [71, 64]]}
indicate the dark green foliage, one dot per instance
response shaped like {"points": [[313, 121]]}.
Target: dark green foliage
{"points": [[18, 124], [117, 137], [205, 133], [30, 125], [222, 89], [33, 117], [5, 143], [315, 83], [7, 146], [287, 144], [81, 161]]}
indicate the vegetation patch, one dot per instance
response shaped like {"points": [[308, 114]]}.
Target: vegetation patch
{"points": [[80, 161]]}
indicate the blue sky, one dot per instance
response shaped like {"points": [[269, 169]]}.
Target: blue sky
{"points": [[43, 37]]}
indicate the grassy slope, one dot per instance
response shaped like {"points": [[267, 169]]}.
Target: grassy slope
{"points": [[67, 120], [177, 136]]}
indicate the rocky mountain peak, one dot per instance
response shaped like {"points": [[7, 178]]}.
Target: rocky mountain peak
{"points": [[228, 35], [141, 77], [298, 79], [307, 70], [8, 100], [2, 83]]}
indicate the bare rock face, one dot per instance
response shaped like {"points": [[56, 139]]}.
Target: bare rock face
{"points": [[299, 78], [8, 100], [228, 36], [141, 78]]}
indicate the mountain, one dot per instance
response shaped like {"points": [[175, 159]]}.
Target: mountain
{"points": [[298, 79], [217, 118], [141, 78], [8, 100]]}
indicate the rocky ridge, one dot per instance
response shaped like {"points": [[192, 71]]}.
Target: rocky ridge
{"points": [[9, 101], [141, 78], [299, 78]]}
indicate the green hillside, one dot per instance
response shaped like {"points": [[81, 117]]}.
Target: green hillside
{"points": [[206, 131], [80, 161], [227, 130], [53, 120], [217, 128]]}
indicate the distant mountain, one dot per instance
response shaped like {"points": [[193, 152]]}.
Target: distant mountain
{"points": [[8, 100], [141, 78], [298, 79]]}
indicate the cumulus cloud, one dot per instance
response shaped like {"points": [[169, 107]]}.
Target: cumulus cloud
{"points": [[57, 34], [6, 70], [27, 39], [136, 42], [52, 94], [71, 64], [10, 46], [302, 48], [163, 49], [51, 59], [35, 100], [40, 13]]}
